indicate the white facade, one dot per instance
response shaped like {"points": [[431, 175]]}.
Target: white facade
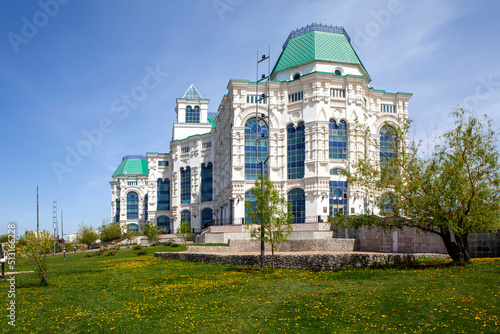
{"points": [[326, 91]]}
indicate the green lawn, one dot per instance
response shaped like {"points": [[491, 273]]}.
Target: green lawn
{"points": [[127, 293]]}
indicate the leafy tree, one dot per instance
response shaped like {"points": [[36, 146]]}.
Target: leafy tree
{"points": [[451, 192], [4, 238], [33, 248], [151, 232], [271, 213], [184, 231], [109, 231], [130, 235], [87, 235]]}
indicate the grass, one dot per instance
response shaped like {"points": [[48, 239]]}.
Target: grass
{"points": [[129, 293]]}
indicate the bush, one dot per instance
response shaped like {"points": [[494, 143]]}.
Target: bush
{"points": [[111, 252], [152, 245], [137, 247], [168, 243], [69, 247], [142, 252], [174, 245]]}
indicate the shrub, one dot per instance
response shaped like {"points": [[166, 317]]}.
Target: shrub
{"points": [[137, 247], [168, 243], [152, 245], [111, 252], [174, 245], [142, 252]]}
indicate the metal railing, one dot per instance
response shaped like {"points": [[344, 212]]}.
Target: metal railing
{"points": [[317, 27]]}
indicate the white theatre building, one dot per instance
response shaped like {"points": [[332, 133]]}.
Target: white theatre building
{"points": [[321, 105]]}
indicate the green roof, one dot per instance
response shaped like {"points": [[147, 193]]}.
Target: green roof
{"points": [[318, 45], [130, 167], [211, 120]]}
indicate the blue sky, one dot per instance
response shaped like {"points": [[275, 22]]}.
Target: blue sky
{"points": [[64, 70]]}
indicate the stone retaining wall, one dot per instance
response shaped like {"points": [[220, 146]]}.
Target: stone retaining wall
{"points": [[300, 261]]}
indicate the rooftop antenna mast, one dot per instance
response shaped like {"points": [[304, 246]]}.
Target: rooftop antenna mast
{"points": [[262, 137], [56, 231]]}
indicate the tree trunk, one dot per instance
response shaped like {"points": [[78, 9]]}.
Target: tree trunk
{"points": [[458, 249], [272, 255]]}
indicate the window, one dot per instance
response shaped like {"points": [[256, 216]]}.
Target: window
{"points": [[255, 128], [192, 115], [298, 199], [338, 140], [387, 202], [162, 163], [163, 194], [390, 108], [117, 216], [249, 197], [206, 218], [339, 93], [295, 96], [186, 185], [296, 151], [338, 193], [338, 71], [254, 98], [133, 228], [185, 149], [206, 182], [146, 207], [186, 216], [296, 76], [132, 205], [131, 183], [163, 223], [388, 147], [206, 144]]}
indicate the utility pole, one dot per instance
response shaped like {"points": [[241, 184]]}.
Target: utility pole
{"points": [[54, 211], [260, 136], [37, 214], [62, 234]]}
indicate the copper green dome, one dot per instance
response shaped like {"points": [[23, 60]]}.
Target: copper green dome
{"points": [[132, 165]]}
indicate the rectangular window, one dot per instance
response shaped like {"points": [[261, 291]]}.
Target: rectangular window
{"points": [[295, 96], [340, 93], [131, 183], [388, 108], [206, 144], [185, 149], [162, 163], [254, 98]]}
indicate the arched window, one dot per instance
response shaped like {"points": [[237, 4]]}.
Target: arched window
{"points": [[206, 182], [146, 207], [163, 194], [296, 151], [338, 140], [298, 199], [388, 146], [254, 129], [186, 185], [338, 193], [249, 197], [186, 216], [163, 223], [192, 115], [206, 217], [117, 216], [387, 202], [296, 76], [132, 205], [133, 228], [338, 71]]}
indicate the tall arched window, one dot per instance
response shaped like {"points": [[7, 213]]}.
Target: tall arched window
{"points": [[206, 217], [254, 129], [387, 202], [146, 207], [249, 197], [117, 216], [186, 216], [163, 194], [388, 147], [192, 115], [206, 182], [132, 228], [338, 193], [163, 223], [338, 140], [132, 205], [296, 151], [186, 185], [298, 199]]}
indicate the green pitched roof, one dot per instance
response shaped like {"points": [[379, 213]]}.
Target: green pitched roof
{"points": [[130, 167], [318, 45], [192, 94]]}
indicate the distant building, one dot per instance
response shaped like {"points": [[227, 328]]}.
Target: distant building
{"points": [[321, 105]]}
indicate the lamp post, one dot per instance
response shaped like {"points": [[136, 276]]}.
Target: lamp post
{"points": [[2, 260]]}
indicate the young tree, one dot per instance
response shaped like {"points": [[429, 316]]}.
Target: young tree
{"points": [[87, 235], [184, 231], [34, 248], [270, 213], [151, 232], [452, 192], [109, 231], [130, 235]]}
